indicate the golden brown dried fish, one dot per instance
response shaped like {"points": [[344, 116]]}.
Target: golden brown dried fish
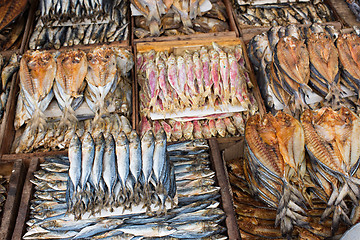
{"points": [[69, 83], [37, 73], [324, 64], [101, 77]]}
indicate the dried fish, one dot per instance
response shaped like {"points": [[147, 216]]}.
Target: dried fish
{"points": [[282, 14], [190, 219]]}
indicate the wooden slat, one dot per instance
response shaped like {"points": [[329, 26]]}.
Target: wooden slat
{"points": [[24, 208], [344, 12], [225, 39], [13, 199], [225, 190]]}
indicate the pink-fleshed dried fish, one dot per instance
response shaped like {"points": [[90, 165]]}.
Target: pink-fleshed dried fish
{"points": [[197, 130], [230, 126], [181, 71], [206, 130], [168, 130], [177, 131], [188, 129], [238, 53], [140, 62], [144, 126], [156, 127], [224, 72], [241, 60], [162, 81], [215, 77], [152, 77], [198, 73], [205, 60], [190, 74], [173, 78], [212, 127], [234, 81], [239, 122], [151, 55], [37, 74], [220, 127]]}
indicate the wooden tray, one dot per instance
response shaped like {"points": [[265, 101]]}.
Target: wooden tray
{"points": [[216, 164], [227, 40], [14, 171], [231, 22], [7, 118]]}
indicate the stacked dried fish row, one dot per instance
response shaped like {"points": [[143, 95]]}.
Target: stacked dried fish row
{"points": [[206, 77], [55, 139], [283, 14], [7, 68], [226, 125], [59, 9], [125, 166], [214, 20], [333, 146], [42, 76], [256, 220], [12, 23], [291, 69], [275, 150], [3, 191], [276, 172], [196, 216], [83, 22]]}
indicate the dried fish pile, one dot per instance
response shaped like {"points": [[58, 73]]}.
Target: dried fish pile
{"points": [[54, 138], [275, 151], [8, 67], [12, 23], [326, 184], [101, 77], [296, 66], [3, 191], [125, 165], [196, 216], [226, 125], [71, 23], [331, 141], [207, 78], [179, 17], [256, 220], [283, 14], [354, 6]]}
